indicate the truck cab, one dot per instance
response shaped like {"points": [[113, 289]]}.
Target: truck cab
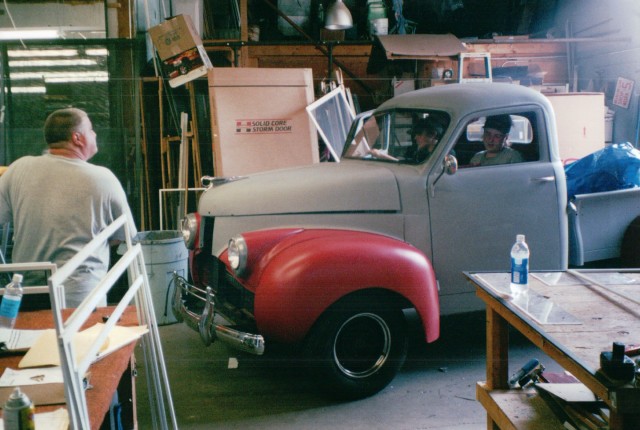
{"points": [[465, 220], [326, 257]]}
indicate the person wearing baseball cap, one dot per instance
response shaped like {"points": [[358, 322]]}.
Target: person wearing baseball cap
{"points": [[495, 138], [425, 135]]}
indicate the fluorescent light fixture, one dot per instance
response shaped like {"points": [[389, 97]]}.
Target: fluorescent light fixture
{"points": [[99, 52], [25, 34], [63, 79], [27, 90], [95, 76], [15, 53], [52, 63]]}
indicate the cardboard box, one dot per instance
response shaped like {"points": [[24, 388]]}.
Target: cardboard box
{"points": [[180, 49], [259, 120], [403, 85]]}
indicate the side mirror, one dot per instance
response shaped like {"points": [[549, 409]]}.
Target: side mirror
{"points": [[450, 164]]}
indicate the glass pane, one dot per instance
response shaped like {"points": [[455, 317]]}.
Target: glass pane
{"points": [[332, 117], [45, 78], [404, 136], [521, 130]]}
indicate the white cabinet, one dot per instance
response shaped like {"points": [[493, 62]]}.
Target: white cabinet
{"points": [[580, 119]]}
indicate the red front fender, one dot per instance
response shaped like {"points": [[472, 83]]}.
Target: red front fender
{"points": [[297, 279]]}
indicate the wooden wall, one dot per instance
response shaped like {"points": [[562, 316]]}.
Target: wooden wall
{"points": [[354, 58], [373, 88], [549, 56]]}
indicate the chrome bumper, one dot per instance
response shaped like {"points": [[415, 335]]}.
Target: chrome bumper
{"points": [[204, 324]]}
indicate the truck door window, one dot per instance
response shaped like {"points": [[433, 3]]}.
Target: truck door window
{"points": [[482, 145]]}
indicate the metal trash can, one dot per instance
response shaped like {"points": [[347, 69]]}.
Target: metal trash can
{"points": [[164, 252]]}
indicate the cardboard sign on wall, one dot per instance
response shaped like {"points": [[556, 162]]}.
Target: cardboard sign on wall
{"points": [[259, 120]]}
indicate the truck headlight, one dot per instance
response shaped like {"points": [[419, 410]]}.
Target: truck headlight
{"points": [[189, 227], [237, 254]]}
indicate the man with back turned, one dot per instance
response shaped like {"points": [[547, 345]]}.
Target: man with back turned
{"points": [[58, 202]]}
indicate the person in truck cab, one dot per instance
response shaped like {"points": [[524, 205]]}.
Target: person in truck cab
{"points": [[425, 135], [495, 138]]}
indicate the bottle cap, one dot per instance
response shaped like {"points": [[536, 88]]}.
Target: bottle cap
{"points": [[520, 237], [17, 278], [16, 394]]}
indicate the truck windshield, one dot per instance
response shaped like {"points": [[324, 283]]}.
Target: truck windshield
{"points": [[400, 136]]}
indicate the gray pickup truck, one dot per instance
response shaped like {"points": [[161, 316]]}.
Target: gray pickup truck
{"points": [[327, 256]]}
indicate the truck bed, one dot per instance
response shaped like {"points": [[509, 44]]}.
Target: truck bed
{"points": [[597, 223]]}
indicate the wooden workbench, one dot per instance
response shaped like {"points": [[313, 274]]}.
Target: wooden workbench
{"points": [[113, 373], [599, 317]]}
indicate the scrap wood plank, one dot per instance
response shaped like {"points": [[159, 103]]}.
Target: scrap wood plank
{"points": [[518, 409], [145, 187]]}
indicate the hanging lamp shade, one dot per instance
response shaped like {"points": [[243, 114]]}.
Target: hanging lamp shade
{"points": [[338, 17]]}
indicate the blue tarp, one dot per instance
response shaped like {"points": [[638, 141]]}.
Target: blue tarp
{"points": [[615, 167]]}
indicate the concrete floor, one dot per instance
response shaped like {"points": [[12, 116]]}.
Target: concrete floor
{"points": [[434, 390]]}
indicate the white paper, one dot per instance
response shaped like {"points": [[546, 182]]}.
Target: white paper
{"points": [[56, 420], [16, 340], [45, 350], [43, 375], [5, 335]]}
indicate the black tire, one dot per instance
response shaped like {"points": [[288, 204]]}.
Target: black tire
{"points": [[355, 351], [630, 248]]}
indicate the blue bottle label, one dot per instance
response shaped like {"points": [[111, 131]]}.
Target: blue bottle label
{"points": [[520, 271], [10, 306]]}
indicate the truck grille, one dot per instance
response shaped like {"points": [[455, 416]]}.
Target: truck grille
{"points": [[233, 300]]}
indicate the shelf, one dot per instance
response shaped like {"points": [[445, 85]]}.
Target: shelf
{"points": [[517, 409]]}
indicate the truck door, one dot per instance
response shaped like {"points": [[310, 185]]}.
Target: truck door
{"points": [[476, 213]]}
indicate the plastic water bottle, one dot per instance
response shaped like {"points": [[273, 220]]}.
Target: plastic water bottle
{"points": [[519, 266], [11, 302]]}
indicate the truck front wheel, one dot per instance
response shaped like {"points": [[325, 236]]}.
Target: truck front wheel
{"points": [[356, 351]]}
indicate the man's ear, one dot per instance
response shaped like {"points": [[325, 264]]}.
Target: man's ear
{"points": [[76, 138]]}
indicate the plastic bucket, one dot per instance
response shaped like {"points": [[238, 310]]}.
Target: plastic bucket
{"points": [[376, 10], [164, 252], [608, 125], [380, 26]]}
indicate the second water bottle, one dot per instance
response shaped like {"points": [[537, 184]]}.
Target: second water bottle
{"points": [[519, 266]]}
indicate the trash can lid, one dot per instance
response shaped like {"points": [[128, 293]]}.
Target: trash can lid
{"points": [[157, 236]]}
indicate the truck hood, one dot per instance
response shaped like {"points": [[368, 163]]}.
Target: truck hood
{"points": [[349, 186]]}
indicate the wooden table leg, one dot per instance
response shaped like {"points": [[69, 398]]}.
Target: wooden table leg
{"points": [[497, 355], [497, 351]]}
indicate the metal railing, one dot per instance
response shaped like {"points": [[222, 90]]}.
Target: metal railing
{"points": [[132, 262]]}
